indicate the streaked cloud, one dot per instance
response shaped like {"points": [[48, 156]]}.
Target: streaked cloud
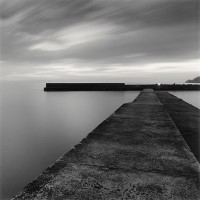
{"points": [[74, 36], [99, 37]]}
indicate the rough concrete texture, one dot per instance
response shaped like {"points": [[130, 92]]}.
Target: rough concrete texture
{"points": [[186, 117], [137, 153]]}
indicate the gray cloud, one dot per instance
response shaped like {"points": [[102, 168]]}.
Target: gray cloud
{"points": [[99, 31], [57, 13]]}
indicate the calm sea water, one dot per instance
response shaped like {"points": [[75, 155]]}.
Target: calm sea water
{"points": [[38, 127]]}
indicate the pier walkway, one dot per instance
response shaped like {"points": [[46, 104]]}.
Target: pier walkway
{"points": [[136, 153], [186, 117]]}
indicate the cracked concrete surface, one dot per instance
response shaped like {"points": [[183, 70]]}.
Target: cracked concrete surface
{"points": [[136, 153]]}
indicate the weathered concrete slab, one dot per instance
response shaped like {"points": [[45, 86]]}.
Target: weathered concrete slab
{"points": [[93, 182], [186, 117], [137, 153]]}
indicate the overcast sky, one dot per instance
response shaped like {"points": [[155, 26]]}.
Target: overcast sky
{"points": [[138, 41]]}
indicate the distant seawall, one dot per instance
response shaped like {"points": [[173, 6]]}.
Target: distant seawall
{"points": [[116, 87], [84, 87]]}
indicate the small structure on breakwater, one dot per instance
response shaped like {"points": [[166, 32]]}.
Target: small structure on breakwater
{"points": [[116, 87], [136, 153]]}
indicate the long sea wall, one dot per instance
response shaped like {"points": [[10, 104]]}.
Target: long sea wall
{"points": [[116, 87]]}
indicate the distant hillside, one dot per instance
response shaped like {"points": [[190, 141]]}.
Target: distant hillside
{"points": [[195, 80]]}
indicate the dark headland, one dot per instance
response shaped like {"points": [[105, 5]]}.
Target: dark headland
{"points": [[116, 87], [195, 80]]}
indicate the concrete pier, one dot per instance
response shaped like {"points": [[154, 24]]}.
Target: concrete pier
{"points": [[186, 117], [137, 153]]}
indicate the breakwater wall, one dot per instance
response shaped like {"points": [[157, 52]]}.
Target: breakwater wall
{"points": [[84, 87], [186, 117], [136, 153], [115, 87]]}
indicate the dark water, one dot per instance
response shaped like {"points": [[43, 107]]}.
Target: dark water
{"points": [[38, 127]]}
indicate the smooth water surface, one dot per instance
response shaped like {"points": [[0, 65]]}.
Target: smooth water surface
{"points": [[38, 127]]}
